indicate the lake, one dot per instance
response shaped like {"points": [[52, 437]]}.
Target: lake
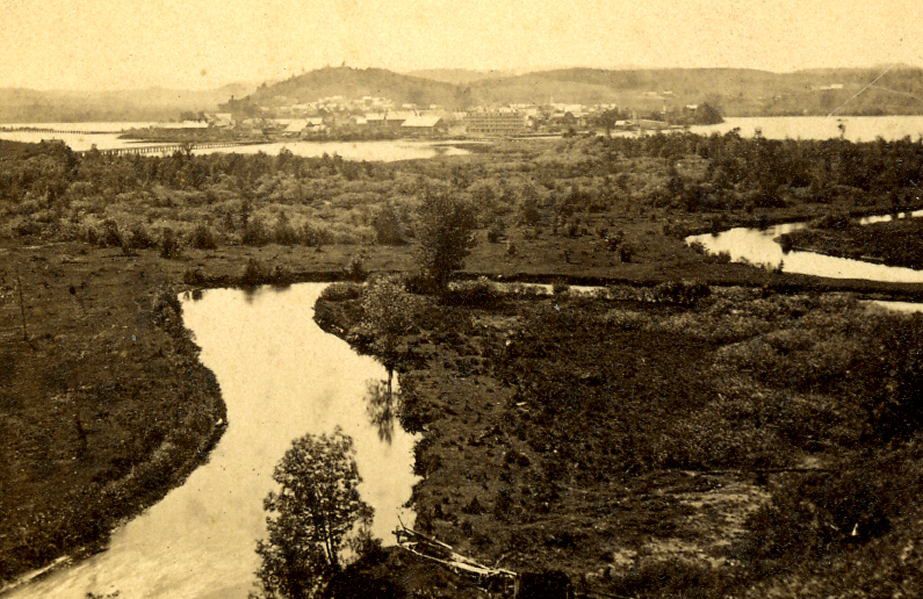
{"points": [[858, 128], [865, 128], [281, 376]]}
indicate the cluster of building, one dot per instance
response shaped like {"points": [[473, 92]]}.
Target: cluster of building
{"points": [[376, 117]]}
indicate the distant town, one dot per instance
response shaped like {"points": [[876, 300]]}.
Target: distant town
{"points": [[376, 117]]}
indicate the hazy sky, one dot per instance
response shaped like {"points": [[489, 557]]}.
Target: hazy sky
{"points": [[96, 44]]}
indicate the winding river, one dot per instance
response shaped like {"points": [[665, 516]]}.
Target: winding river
{"points": [[281, 376], [758, 246]]}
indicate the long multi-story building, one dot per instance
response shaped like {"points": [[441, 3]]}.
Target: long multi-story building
{"points": [[495, 123]]}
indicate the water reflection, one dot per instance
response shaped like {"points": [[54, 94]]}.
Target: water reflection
{"points": [[381, 403]]}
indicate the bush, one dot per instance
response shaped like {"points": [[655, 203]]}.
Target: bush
{"points": [[387, 226], [194, 276], [559, 288], [674, 577], [169, 244], [255, 273], [834, 221], [109, 235], [315, 236], [683, 293], [139, 238], [283, 233], [496, 232], [354, 270], [480, 293], [819, 514], [203, 238], [339, 292], [255, 233]]}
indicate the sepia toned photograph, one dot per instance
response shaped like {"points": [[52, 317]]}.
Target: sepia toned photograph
{"points": [[432, 299]]}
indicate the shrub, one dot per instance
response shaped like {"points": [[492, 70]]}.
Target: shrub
{"points": [[338, 292], [354, 270], [283, 233], [316, 235], [387, 225], [194, 276], [281, 275], [169, 244], [255, 233], [835, 221], [139, 237], [559, 288], [683, 293], [255, 273], [820, 513], [496, 232], [203, 238], [109, 235], [480, 293], [674, 577], [166, 310]]}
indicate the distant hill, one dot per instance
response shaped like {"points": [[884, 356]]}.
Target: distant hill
{"points": [[354, 83], [736, 92], [461, 76], [19, 105]]}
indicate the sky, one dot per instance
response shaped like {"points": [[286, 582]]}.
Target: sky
{"points": [[200, 44]]}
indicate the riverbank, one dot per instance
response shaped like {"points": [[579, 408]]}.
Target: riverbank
{"points": [[895, 243], [649, 453], [110, 406]]}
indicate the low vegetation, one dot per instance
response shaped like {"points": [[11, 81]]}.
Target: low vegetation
{"points": [[896, 243], [668, 441]]}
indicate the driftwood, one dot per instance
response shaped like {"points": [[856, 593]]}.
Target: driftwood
{"points": [[487, 578]]}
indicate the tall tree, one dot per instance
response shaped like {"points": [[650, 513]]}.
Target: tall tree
{"points": [[445, 228], [311, 517], [388, 312]]}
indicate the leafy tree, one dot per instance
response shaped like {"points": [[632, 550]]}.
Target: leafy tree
{"points": [[312, 517], [607, 119], [388, 315], [445, 227]]}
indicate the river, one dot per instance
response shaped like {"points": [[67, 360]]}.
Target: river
{"points": [[758, 246], [281, 376]]}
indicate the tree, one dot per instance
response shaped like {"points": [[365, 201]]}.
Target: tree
{"points": [[387, 316], [445, 227], [607, 119], [313, 515]]}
